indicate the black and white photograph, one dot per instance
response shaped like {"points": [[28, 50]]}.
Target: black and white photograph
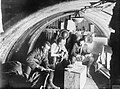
{"points": [[59, 44]]}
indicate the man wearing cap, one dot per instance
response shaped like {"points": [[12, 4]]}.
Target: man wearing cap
{"points": [[39, 64]]}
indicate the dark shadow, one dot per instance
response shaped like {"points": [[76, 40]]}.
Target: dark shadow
{"points": [[19, 51], [101, 81], [59, 74]]}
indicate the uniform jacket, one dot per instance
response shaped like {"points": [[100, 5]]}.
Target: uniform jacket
{"points": [[37, 59]]}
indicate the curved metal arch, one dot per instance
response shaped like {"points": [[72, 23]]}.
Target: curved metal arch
{"points": [[14, 33]]}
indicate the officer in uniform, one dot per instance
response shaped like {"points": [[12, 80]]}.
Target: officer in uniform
{"points": [[39, 64]]}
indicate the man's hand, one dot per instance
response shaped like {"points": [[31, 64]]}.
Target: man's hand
{"points": [[45, 69], [78, 55], [49, 70], [41, 68], [60, 55]]}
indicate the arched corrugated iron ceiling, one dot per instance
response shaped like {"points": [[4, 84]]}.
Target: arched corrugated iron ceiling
{"points": [[22, 29]]}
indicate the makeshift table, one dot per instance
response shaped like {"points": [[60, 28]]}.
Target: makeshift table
{"points": [[75, 77]]}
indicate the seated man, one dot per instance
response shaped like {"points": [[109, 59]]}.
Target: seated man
{"points": [[38, 62], [58, 51], [82, 53]]}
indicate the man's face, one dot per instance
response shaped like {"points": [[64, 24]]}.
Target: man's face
{"points": [[46, 48], [81, 43], [61, 43]]}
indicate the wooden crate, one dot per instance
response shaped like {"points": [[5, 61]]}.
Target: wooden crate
{"points": [[75, 78]]}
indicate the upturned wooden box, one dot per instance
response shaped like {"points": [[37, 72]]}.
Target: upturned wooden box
{"points": [[75, 78]]}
